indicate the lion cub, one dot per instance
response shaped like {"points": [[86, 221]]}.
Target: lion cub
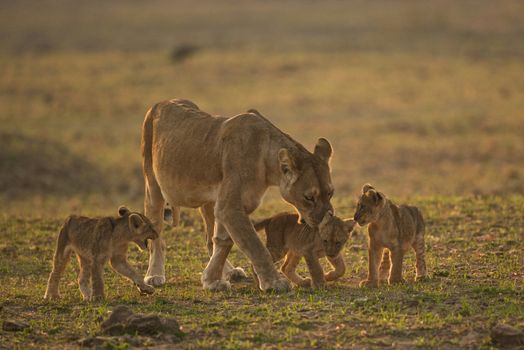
{"points": [[286, 237], [392, 230], [95, 241]]}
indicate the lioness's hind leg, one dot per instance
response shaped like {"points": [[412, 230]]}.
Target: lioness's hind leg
{"points": [[212, 277], [154, 210]]}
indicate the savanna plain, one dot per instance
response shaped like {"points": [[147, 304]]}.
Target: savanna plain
{"points": [[425, 100]]}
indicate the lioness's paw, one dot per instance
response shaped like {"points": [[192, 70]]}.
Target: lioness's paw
{"points": [[145, 289], [155, 281], [279, 285], [52, 296], [217, 286], [368, 283], [236, 274]]}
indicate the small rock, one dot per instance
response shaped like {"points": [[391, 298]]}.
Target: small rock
{"points": [[505, 335], [14, 326]]}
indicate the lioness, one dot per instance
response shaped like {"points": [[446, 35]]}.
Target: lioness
{"points": [[286, 237], [224, 166], [392, 229], [94, 241]]}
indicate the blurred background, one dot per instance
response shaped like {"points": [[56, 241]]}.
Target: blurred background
{"points": [[420, 98]]}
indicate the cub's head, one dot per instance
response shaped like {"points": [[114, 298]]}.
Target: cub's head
{"points": [[305, 181], [140, 227], [334, 233], [369, 205]]}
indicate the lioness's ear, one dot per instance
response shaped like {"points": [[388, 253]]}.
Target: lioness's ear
{"points": [[376, 196], [287, 165], [123, 210], [323, 149], [135, 221], [366, 188]]}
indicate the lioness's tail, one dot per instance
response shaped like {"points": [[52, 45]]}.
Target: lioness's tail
{"points": [[153, 200]]}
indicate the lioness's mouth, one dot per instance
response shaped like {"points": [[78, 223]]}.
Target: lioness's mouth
{"points": [[142, 244]]}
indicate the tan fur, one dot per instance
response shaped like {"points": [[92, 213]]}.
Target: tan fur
{"points": [[290, 240], [95, 241], [392, 231], [224, 166]]}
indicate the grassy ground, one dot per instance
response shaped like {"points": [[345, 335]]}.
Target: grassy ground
{"points": [[474, 257], [424, 99]]}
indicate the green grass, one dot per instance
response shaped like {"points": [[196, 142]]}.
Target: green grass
{"points": [[423, 99], [473, 253]]}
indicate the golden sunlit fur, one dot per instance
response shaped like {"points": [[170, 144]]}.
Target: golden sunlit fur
{"points": [[392, 231], [224, 166], [289, 239], [95, 241]]}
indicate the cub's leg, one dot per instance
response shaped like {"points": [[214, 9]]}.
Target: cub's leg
{"points": [[397, 256], [374, 254], [315, 269], [154, 210], [339, 268], [289, 270], [60, 260], [420, 252], [385, 265], [97, 279], [230, 273], [84, 278], [120, 265]]}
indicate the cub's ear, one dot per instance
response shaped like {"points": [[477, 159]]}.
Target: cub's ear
{"points": [[349, 225], [366, 188], [288, 166], [123, 210], [254, 111], [323, 149], [376, 196], [135, 221]]}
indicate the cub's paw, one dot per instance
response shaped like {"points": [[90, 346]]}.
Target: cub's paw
{"points": [[235, 275], [368, 283], [305, 283], [50, 296], [278, 286], [217, 286], [424, 278], [393, 281], [145, 289], [155, 281], [97, 298]]}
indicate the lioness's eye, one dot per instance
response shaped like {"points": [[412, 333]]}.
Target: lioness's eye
{"points": [[330, 194], [325, 241], [309, 198]]}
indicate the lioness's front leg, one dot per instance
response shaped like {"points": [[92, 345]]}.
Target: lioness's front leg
{"points": [[212, 277], [120, 265], [231, 214], [230, 272], [339, 268]]}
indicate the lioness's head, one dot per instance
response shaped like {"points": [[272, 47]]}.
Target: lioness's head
{"points": [[305, 181], [140, 227], [369, 205], [334, 233]]}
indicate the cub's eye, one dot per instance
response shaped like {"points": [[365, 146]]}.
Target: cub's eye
{"points": [[325, 241], [330, 194], [309, 198], [338, 244]]}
